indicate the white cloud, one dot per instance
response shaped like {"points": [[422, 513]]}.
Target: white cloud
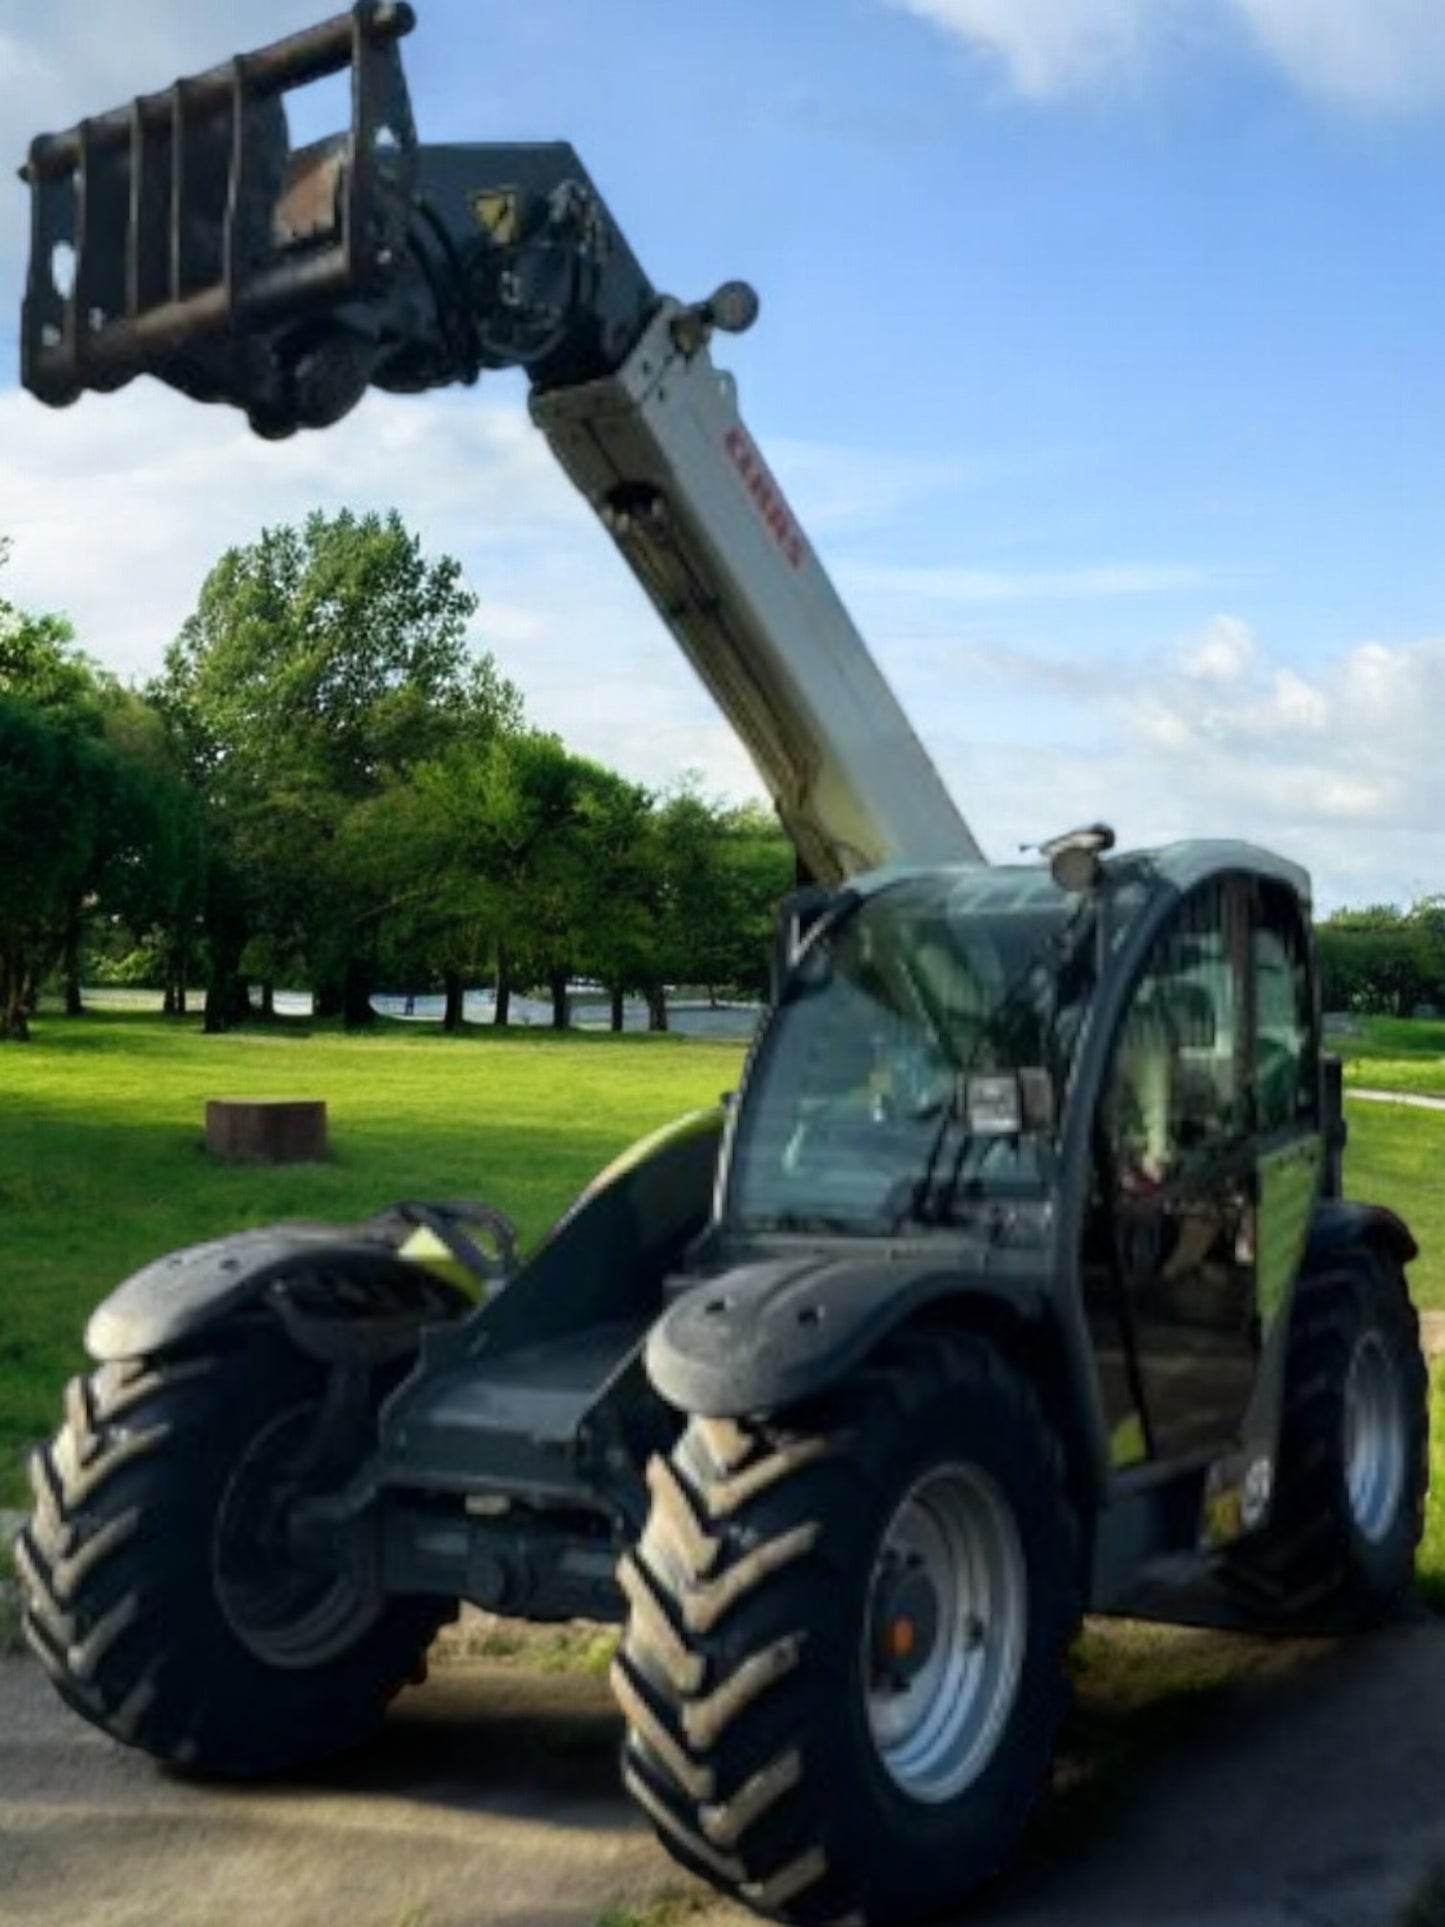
{"points": [[1369, 54], [1366, 53], [1222, 652], [1052, 46], [1335, 764]]}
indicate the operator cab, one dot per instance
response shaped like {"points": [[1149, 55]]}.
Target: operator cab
{"points": [[1110, 1081]]}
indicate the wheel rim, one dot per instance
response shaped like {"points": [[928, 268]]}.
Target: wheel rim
{"points": [[1374, 1439], [946, 1631], [285, 1612]]}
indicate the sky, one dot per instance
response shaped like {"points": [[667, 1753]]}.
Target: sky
{"points": [[1100, 356]]}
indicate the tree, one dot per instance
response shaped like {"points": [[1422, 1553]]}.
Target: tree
{"points": [[505, 841], [1382, 959], [321, 668], [759, 868], [52, 781], [150, 863], [97, 823]]}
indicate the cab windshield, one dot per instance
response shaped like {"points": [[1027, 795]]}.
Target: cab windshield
{"points": [[914, 1071]]}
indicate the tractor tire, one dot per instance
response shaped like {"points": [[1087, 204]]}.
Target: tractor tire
{"points": [[844, 1665], [1353, 1464], [156, 1590]]}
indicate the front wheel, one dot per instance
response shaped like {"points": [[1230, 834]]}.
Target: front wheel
{"points": [[844, 1664], [159, 1591]]}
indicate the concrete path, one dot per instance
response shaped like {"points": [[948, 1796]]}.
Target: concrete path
{"points": [[1313, 1796], [1310, 1793], [491, 1800], [1421, 1100]]}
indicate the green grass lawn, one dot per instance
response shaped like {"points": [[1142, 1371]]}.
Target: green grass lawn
{"points": [[1395, 1054], [1394, 1157]]}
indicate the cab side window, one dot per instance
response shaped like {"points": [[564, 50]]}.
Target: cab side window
{"points": [[1175, 1084], [1284, 1029]]}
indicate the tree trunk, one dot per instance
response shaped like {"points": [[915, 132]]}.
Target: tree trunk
{"points": [[453, 1016], [177, 970], [558, 985], [74, 1002], [327, 998], [617, 1001], [227, 1002], [14, 1023], [268, 1002], [357, 1013], [657, 1008], [504, 991]]}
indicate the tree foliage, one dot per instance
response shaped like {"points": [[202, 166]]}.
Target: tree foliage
{"points": [[322, 666], [96, 821], [1383, 960], [328, 786]]}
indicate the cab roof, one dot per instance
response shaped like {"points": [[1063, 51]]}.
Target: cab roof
{"points": [[997, 888]]}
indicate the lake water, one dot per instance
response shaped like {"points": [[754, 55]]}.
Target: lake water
{"points": [[685, 1017]]}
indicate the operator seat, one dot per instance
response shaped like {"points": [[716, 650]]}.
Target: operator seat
{"points": [[1139, 1107]]}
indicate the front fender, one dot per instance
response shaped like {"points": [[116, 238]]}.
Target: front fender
{"points": [[765, 1335]]}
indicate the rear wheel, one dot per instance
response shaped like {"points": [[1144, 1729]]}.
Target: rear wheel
{"points": [[159, 1590], [843, 1667], [1352, 1473]]}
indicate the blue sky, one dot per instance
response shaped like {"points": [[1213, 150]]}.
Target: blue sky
{"points": [[1100, 353]]}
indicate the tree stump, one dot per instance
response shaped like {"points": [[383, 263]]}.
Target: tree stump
{"points": [[266, 1130]]}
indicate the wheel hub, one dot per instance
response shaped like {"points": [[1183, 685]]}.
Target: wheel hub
{"points": [[1375, 1439], [286, 1611], [946, 1632], [905, 1623]]}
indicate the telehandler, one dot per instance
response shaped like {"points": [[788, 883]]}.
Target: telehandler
{"points": [[1015, 1281]]}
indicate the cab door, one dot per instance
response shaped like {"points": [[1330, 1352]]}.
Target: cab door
{"points": [[1178, 1183], [1289, 1143]]}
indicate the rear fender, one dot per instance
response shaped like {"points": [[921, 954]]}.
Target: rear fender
{"points": [[320, 1280], [1339, 1226]]}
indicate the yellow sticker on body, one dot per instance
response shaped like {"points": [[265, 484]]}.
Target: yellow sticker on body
{"points": [[498, 210]]}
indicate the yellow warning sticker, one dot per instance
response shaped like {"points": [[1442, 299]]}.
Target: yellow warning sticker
{"points": [[498, 210]]}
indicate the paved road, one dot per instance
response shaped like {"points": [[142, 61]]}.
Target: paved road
{"points": [[1310, 1795]]}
